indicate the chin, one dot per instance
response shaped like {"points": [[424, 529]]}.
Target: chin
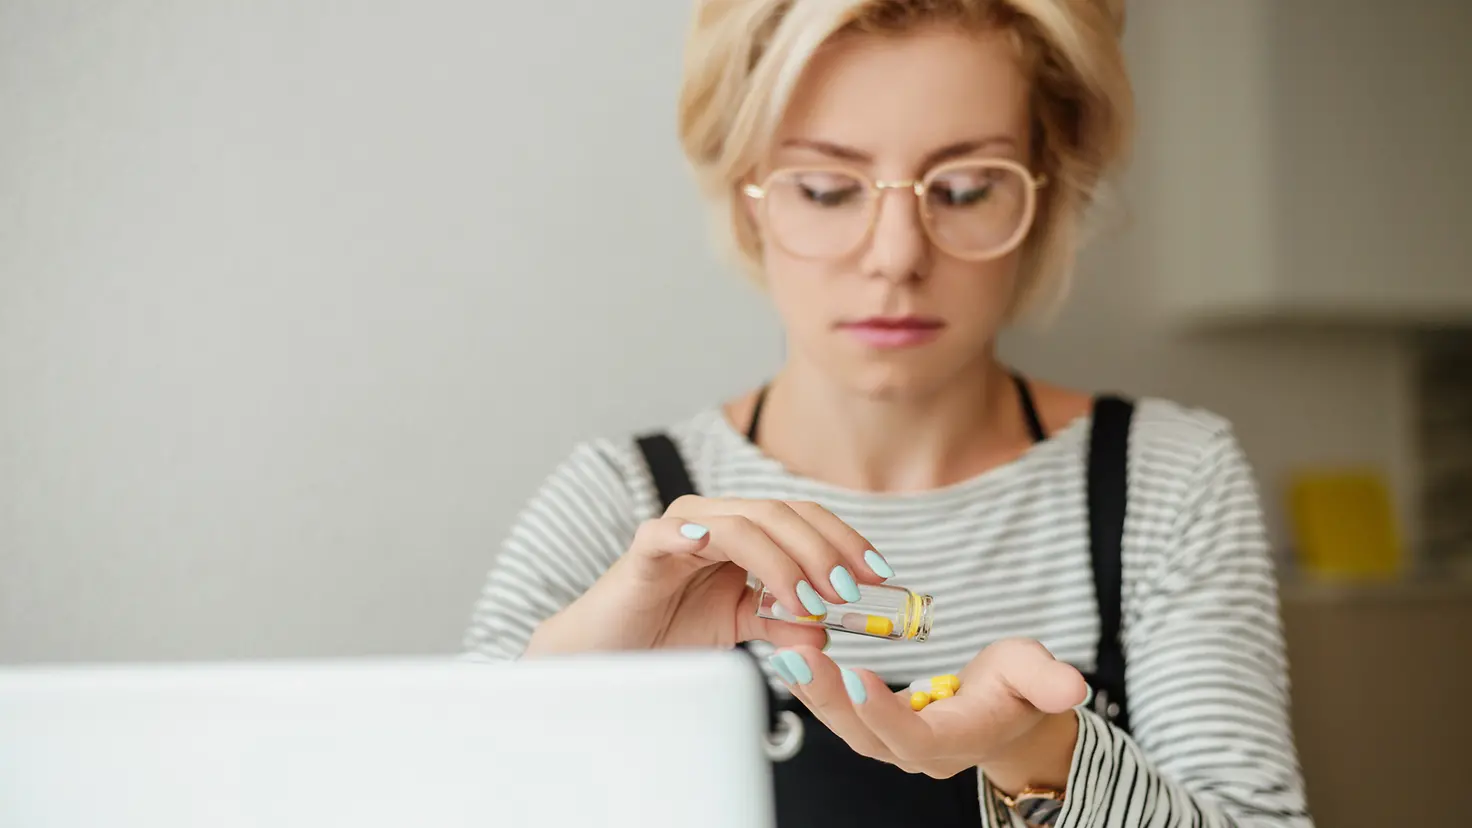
{"points": [[901, 374], [897, 381]]}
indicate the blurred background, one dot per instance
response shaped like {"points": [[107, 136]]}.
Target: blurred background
{"points": [[300, 300]]}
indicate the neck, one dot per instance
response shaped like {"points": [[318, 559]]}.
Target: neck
{"points": [[893, 443]]}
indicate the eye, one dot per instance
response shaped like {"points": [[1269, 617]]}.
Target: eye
{"points": [[962, 190], [828, 189]]}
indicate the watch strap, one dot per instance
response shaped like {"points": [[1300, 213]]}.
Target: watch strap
{"points": [[1038, 807]]}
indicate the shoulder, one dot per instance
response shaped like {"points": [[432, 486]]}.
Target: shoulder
{"points": [[1177, 434], [1181, 460], [613, 470], [1186, 465], [1167, 440], [1171, 442]]}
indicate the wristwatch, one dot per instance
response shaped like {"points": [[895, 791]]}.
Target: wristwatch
{"points": [[1038, 807]]}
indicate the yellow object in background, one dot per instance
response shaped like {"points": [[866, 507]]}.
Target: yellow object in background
{"points": [[1344, 524]]}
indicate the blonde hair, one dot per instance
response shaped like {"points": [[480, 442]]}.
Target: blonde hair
{"points": [[744, 57]]}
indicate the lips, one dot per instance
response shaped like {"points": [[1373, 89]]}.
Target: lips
{"points": [[893, 331], [896, 323]]}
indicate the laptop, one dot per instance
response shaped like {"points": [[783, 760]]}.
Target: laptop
{"points": [[640, 739]]}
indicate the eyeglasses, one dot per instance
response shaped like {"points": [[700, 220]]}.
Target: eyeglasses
{"points": [[974, 210]]}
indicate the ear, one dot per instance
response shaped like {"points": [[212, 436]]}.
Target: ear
{"points": [[745, 218], [1114, 9]]}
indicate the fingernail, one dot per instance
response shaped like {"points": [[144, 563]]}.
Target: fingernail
{"points": [[781, 669], [854, 685], [844, 583], [827, 639], [811, 599], [694, 531], [877, 563], [801, 673]]}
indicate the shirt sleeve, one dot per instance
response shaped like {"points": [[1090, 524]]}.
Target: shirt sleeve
{"points": [[1211, 743], [576, 525]]}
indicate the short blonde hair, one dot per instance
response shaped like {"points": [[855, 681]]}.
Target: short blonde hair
{"points": [[743, 59]]}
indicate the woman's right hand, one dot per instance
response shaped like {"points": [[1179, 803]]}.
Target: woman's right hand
{"points": [[683, 581]]}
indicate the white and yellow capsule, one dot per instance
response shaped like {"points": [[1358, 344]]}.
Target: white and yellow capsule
{"points": [[933, 689]]}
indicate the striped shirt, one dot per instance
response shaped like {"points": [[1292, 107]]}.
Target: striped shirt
{"points": [[1006, 554]]}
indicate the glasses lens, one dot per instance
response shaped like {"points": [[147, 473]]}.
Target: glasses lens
{"points": [[977, 209], [817, 213]]}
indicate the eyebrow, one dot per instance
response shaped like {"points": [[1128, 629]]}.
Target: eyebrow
{"points": [[946, 153]]}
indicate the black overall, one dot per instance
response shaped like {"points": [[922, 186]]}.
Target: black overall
{"points": [[827, 783]]}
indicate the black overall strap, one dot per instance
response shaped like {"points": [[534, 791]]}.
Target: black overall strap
{"points": [[671, 478], [1108, 486]]}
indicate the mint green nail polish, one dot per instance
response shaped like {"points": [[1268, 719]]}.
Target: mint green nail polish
{"points": [[854, 685], [877, 563], [844, 584], [781, 669], [811, 599], [801, 673], [694, 531]]}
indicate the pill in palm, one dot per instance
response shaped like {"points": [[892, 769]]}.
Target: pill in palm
{"points": [[949, 682], [927, 690]]}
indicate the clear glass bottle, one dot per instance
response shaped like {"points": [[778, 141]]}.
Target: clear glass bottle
{"points": [[882, 611]]}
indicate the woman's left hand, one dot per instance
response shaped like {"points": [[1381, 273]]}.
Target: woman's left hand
{"points": [[1012, 716]]}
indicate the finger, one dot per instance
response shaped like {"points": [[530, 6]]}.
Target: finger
{"points": [[826, 694], [738, 539], [825, 567], [670, 536], [867, 565], [822, 569], [1031, 673], [752, 627], [910, 738]]}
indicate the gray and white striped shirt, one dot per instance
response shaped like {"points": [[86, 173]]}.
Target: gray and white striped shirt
{"points": [[1006, 554]]}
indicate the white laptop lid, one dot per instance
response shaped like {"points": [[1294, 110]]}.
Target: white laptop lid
{"points": [[651, 739]]}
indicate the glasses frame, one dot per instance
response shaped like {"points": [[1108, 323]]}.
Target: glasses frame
{"points": [[919, 187]]}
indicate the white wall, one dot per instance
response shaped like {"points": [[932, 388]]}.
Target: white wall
{"points": [[298, 300], [1299, 395]]}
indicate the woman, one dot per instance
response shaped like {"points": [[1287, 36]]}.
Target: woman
{"points": [[906, 178]]}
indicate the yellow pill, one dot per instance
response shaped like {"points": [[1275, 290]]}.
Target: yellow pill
{"points": [[941, 693], [810, 618], [951, 683], [879, 625], [918, 701], [871, 624]]}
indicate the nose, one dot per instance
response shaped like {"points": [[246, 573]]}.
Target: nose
{"points": [[899, 249]]}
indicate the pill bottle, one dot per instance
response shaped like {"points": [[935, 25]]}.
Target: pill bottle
{"points": [[882, 611]]}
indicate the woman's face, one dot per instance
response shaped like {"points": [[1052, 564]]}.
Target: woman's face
{"points": [[891, 312]]}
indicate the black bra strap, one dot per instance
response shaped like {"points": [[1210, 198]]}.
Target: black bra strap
{"points": [[1029, 409], [756, 414], [1108, 487]]}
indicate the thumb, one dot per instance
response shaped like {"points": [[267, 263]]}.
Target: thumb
{"points": [[752, 627], [1033, 675]]}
